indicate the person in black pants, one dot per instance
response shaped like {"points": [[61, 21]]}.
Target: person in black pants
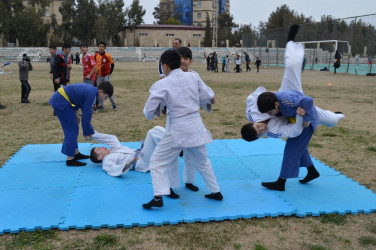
{"points": [[258, 63], [247, 60], [25, 66]]}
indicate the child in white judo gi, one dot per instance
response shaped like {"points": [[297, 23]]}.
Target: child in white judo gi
{"points": [[183, 93], [189, 172], [118, 159]]}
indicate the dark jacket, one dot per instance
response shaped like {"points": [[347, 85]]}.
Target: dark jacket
{"points": [[59, 68]]}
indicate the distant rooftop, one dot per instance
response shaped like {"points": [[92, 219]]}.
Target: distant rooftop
{"points": [[169, 27]]}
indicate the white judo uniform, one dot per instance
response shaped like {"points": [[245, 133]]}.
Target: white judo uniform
{"points": [[113, 163], [183, 93], [280, 127]]}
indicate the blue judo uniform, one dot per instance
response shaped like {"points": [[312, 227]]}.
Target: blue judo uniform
{"points": [[82, 96], [296, 152]]}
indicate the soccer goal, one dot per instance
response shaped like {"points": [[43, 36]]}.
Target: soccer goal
{"points": [[320, 54]]}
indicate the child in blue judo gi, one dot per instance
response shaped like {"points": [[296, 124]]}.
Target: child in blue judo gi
{"points": [[66, 102], [296, 152]]}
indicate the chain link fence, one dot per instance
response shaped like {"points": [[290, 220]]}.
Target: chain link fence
{"points": [[355, 36]]}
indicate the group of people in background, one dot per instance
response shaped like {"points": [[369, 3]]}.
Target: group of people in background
{"points": [[97, 68], [212, 62]]}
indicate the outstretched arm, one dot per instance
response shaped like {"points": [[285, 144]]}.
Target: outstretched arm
{"points": [[107, 139]]}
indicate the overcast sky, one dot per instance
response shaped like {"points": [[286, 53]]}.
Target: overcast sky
{"points": [[247, 11]]}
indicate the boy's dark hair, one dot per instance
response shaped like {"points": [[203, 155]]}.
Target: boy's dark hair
{"points": [[266, 101], [185, 52], [83, 45], [103, 42], [66, 46], [52, 47], [107, 88], [94, 156], [248, 132], [171, 58]]}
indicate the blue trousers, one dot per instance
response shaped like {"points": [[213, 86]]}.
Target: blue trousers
{"points": [[296, 154], [67, 117]]}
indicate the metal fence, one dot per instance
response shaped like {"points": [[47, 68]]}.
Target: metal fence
{"points": [[357, 36]]}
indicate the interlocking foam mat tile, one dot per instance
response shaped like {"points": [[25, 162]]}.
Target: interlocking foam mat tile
{"points": [[37, 190]]}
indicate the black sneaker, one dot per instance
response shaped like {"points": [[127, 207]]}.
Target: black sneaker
{"points": [[214, 196], [2, 106], [99, 108], [155, 202], [25, 101], [172, 194], [192, 187]]}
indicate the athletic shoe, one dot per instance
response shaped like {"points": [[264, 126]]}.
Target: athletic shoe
{"points": [[2, 106], [114, 107], [99, 108], [214, 196], [25, 101], [173, 195]]}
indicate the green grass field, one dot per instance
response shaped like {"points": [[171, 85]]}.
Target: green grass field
{"points": [[350, 148]]}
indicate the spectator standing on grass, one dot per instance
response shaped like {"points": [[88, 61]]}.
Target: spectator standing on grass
{"points": [[77, 58], [356, 60], [89, 65], [223, 63], [105, 67], [215, 62], [247, 60], [212, 62], [258, 63], [24, 67], [52, 57], [238, 62], [304, 63], [227, 64], [62, 66], [208, 62], [337, 61]]}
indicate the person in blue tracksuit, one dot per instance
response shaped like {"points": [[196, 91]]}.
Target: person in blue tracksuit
{"points": [[66, 102], [296, 152]]}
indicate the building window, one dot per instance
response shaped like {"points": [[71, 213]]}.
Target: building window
{"points": [[170, 34], [196, 35], [199, 15], [142, 34], [47, 13], [199, 5]]}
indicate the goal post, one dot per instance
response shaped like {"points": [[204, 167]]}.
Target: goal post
{"points": [[320, 54]]}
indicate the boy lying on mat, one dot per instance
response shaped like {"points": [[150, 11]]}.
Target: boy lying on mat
{"points": [[118, 159]]}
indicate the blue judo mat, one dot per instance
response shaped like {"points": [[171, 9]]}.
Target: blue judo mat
{"points": [[37, 191]]}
